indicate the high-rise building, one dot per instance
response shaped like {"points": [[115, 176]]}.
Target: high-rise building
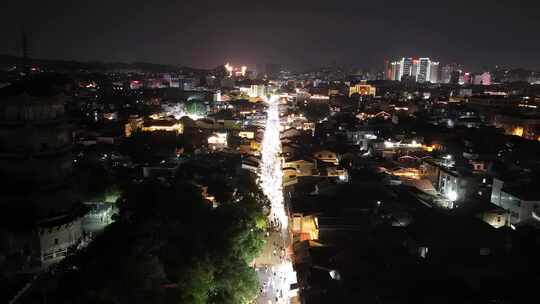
{"points": [[424, 70], [447, 71], [482, 79], [455, 77], [41, 216], [434, 72], [415, 69], [387, 70], [466, 78], [396, 69], [406, 67], [421, 70]]}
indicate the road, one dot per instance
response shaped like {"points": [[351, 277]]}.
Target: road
{"points": [[275, 270], [273, 265]]}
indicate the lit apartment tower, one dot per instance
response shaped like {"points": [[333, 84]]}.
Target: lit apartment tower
{"points": [[415, 68], [424, 70], [448, 73], [482, 79], [406, 67], [41, 217], [421, 70], [486, 78], [466, 78], [396, 70], [456, 77], [387, 70], [434, 72]]}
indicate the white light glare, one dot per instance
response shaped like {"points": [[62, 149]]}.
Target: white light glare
{"points": [[452, 195], [270, 171]]}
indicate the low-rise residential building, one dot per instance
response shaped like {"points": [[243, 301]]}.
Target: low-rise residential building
{"points": [[444, 237], [522, 125], [327, 156], [169, 125], [496, 217], [289, 177], [455, 185], [217, 141], [340, 173], [362, 89], [163, 169], [302, 167], [251, 164], [362, 138], [521, 200], [305, 227], [247, 134]]}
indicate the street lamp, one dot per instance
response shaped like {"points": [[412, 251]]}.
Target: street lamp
{"points": [[452, 195]]}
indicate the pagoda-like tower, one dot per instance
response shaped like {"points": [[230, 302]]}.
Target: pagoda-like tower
{"points": [[40, 218]]}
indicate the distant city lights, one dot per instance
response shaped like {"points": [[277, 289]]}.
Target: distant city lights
{"points": [[235, 71]]}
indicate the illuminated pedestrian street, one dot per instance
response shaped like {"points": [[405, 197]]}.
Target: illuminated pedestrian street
{"points": [[273, 265]]}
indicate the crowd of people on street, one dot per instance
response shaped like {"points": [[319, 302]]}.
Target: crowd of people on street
{"points": [[274, 287], [274, 225], [275, 283]]}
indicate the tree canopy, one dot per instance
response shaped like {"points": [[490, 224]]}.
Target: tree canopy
{"points": [[169, 246], [196, 107]]}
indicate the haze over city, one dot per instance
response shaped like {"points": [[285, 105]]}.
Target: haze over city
{"points": [[299, 34], [269, 152]]}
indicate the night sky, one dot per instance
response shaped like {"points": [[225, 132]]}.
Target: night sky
{"points": [[476, 33]]}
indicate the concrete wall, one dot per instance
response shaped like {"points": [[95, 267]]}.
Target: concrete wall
{"points": [[54, 241], [520, 210]]}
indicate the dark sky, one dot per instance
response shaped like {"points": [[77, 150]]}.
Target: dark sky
{"points": [[201, 33]]}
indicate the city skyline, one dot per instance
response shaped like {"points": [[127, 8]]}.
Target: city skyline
{"points": [[269, 152], [301, 35]]}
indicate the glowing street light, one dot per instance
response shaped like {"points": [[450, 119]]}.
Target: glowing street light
{"points": [[452, 195]]}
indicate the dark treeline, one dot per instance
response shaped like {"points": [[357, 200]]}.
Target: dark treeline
{"points": [[168, 245]]}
